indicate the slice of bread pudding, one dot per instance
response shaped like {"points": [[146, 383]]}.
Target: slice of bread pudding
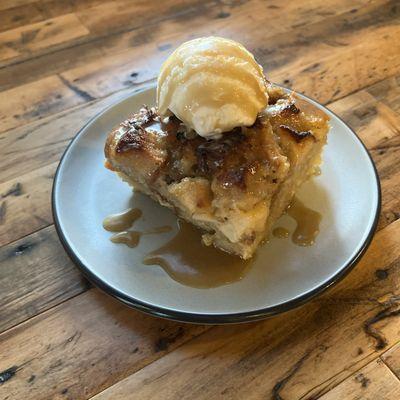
{"points": [[233, 188]]}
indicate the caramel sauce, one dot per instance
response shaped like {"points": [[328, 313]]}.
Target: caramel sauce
{"points": [[132, 238], [122, 221], [158, 229], [307, 221], [186, 260], [281, 233]]}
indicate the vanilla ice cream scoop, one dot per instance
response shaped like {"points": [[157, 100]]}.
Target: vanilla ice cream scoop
{"points": [[212, 85]]}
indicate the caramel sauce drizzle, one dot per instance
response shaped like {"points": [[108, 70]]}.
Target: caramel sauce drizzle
{"points": [[281, 233], [307, 224], [307, 220], [121, 221], [132, 238], [186, 260]]}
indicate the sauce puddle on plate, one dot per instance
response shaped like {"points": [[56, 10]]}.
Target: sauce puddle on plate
{"points": [[307, 224], [307, 220], [132, 238], [186, 260], [281, 233], [122, 221]]}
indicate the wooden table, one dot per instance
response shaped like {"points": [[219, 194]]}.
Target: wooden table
{"points": [[61, 62]]}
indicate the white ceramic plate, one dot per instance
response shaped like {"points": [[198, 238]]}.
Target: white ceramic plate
{"points": [[347, 194]]}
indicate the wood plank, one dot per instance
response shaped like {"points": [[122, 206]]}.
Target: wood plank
{"points": [[388, 93], [19, 16], [374, 381], [6, 4], [36, 100], [94, 24], [249, 17], [386, 157], [303, 353], [41, 35], [7, 52], [26, 204], [392, 359], [55, 8], [369, 115], [42, 142], [35, 275], [83, 346], [348, 69], [128, 15]]}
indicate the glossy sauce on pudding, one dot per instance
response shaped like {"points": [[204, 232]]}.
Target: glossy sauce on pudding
{"points": [[307, 221], [121, 221], [186, 260]]}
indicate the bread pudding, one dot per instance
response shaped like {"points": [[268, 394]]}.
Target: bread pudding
{"points": [[233, 187]]}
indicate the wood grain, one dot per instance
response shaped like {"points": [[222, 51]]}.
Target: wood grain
{"points": [[374, 381], [36, 100], [43, 141], [6, 4], [18, 16], [41, 35], [35, 275], [95, 79], [26, 204], [306, 22], [39, 10], [126, 16], [317, 79], [392, 359], [83, 346]]}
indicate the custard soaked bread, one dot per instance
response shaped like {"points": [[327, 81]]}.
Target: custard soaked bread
{"points": [[233, 187]]}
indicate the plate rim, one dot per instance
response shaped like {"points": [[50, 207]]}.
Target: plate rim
{"points": [[202, 318]]}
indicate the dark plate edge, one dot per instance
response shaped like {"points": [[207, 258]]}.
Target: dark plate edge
{"points": [[211, 318]]}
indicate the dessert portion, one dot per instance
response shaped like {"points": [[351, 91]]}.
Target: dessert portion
{"points": [[225, 149]]}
